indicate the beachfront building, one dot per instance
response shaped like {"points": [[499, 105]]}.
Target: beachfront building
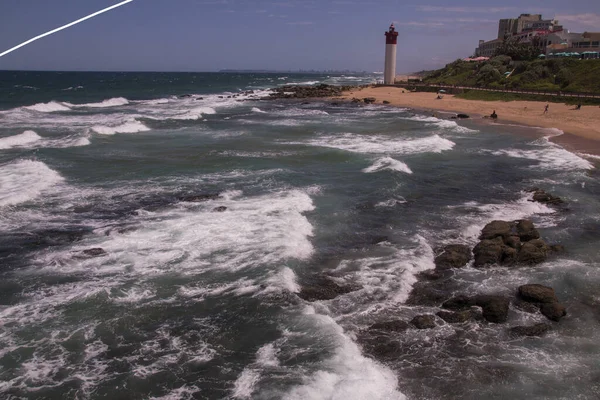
{"points": [[391, 39], [545, 34]]}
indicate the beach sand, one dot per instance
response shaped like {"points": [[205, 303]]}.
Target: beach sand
{"points": [[581, 127]]}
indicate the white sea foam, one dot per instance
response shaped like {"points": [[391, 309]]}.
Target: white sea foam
{"points": [[379, 144], [510, 211], [24, 180], [257, 110], [128, 127], [52, 106], [388, 163], [443, 123], [195, 113], [114, 102], [550, 156], [20, 140], [190, 238], [347, 375]]}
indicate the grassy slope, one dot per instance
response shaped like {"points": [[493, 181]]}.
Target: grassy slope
{"points": [[570, 75]]}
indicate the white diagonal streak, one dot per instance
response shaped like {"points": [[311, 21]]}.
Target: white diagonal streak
{"points": [[65, 27]]}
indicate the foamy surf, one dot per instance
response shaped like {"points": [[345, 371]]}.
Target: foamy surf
{"points": [[388, 163], [549, 156], [25, 180], [21, 140], [379, 144], [52, 106], [114, 102], [347, 374], [128, 127]]}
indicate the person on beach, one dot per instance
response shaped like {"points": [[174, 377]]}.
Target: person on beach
{"points": [[493, 115], [546, 108]]}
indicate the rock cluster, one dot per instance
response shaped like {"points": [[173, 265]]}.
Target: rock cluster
{"points": [[541, 196], [304, 92], [544, 298], [324, 288]]}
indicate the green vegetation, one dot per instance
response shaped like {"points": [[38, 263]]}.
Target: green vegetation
{"points": [[560, 74]]}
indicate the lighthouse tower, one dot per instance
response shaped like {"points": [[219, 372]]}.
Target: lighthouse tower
{"points": [[389, 73]]}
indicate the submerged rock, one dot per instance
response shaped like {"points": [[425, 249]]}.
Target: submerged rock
{"points": [[454, 317], [325, 289], [458, 303], [219, 209], [553, 311], [453, 256], [423, 321], [200, 197], [534, 330], [535, 293], [95, 252], [495, 308]]}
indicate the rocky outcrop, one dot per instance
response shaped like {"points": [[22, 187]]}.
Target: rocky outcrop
{"points": [[553, 311], [544, 298], [535, 293], [495, 308], [534, 330], [219, 209], [541, 196], [453, 256], [303, 92], [504, 242], [369, 100], [325, 289], [423, 321]]}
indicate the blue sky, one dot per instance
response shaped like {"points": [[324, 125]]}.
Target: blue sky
{"points": [[208, 35]]}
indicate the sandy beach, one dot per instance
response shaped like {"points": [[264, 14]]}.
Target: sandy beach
{"points": [[581, 127]]}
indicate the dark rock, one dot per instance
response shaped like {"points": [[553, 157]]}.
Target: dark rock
{"points": [[325, 289], [509, 255], [488, 252], [531, 308], [513, 241], [199, 98], [388, 350], [386, 102], [427, 294], [200, 197], [527, 231], [458, 303], [495, 308], [303, 92], [219, 209], [541, 196], [553, 311], [533, 252], [95, 252], [390, 326], [369, 100], [453, 256], [423, 321], [495, 229], [454, 317], [435, 274], [183, 96], [534, 330], [557, 248], [535, 293], [463, 116]]}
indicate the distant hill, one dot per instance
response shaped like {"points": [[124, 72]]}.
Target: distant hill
{"points": [[560, 74]]}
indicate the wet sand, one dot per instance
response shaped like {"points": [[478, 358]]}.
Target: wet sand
{"points": [[581, 127]]}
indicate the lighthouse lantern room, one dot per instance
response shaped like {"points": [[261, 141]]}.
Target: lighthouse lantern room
{"points": [[391, 39]]}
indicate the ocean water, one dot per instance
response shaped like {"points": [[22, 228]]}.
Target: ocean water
{"points": [[191, 303]]}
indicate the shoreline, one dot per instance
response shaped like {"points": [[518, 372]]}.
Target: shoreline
{"points": [[580, 129]]}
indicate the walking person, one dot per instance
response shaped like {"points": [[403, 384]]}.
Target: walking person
{"points": [[546, 108]]}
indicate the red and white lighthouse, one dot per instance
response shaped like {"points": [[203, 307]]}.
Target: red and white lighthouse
{"points": [[391, 39]]}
